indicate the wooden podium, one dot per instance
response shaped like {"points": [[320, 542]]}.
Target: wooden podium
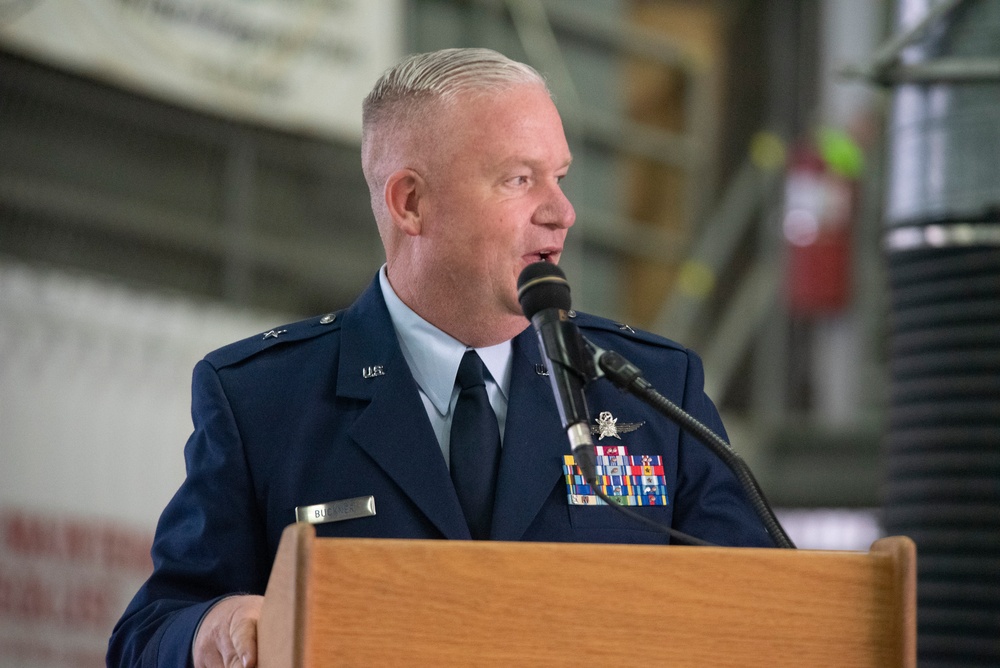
{"points": [[372, 602]]}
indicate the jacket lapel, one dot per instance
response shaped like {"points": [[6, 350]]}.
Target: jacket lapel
{"points": [[393, 429], [533, 447]]}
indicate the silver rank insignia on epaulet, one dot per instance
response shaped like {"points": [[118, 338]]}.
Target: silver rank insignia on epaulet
{"points": [[607, 425]]}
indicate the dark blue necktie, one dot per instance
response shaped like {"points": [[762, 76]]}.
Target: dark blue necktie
{"points": [[475, 447]]}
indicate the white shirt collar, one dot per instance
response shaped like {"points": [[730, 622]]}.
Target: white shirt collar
{"points": [[433, 356]]}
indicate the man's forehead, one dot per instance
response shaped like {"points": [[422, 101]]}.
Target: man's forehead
{"points": [[513, 126]]}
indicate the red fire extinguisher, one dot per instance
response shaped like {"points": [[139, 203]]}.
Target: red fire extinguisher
{"points": [[820, 195]]}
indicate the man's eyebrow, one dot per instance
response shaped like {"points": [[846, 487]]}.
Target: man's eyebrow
{"points": [[533, 163]]}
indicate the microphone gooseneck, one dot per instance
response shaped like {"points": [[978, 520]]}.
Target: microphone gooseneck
{"points": [[628, 377], [544, 294], [572, 362]]}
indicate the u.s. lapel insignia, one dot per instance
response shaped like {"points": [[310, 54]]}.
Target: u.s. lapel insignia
{"points": [[607, 425], [373, 371]]}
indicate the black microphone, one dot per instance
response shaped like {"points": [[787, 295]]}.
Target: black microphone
{"points": [[543, 292]]}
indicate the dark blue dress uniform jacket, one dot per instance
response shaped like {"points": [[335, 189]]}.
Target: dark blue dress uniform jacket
{"points": [[292, 421]]}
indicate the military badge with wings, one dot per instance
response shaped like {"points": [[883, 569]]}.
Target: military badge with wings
{"points": [[608, 426]]}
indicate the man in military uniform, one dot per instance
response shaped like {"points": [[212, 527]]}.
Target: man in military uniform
{"points": [[464, 152]]}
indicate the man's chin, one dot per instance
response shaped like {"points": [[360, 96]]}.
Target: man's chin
{"points": [[513, 308]]}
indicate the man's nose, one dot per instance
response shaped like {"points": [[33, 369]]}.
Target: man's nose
{"points": [[556, 209]]}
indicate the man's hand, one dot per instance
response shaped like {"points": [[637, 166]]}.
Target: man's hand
{"points": [[227, 637]]}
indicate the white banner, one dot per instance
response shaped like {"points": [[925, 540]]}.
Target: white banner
{"points": [[95, 397], [302, 65]]}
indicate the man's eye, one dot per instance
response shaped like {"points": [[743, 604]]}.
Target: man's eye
{"points": [[519, 180]]}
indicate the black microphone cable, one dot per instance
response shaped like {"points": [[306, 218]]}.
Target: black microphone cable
{"points": [[642, 519]]}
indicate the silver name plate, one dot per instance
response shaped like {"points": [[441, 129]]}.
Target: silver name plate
{"points": [[336, 511]]}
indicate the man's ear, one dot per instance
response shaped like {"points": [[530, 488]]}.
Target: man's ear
{"points": [[403, 192]]}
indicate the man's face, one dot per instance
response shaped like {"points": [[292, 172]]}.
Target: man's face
{"points": [[494, 203]]}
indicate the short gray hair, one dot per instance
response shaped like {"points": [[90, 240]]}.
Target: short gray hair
{"points": [[441, 75]]}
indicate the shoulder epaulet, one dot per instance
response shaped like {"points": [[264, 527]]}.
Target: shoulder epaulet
{"points": [[586, 321], [278, 336]]}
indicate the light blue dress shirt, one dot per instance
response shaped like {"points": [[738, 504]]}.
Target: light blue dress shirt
{"points": [[433, 357]]}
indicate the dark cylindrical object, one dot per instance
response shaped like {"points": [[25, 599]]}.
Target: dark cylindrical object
{"points": [[942, 449]]}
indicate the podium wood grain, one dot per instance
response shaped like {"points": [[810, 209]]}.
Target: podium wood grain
{"points": [[371, 602]]}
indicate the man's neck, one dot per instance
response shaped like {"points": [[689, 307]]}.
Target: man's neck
{"points": [[475, 326]]}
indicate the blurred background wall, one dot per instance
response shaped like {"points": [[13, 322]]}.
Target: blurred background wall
{"points": [[179, 174]]}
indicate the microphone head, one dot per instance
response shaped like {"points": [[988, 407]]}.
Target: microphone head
{"points": [[542, 285]]}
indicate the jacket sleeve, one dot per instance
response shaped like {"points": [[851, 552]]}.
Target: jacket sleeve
{"points": [[710, 502], [209, 541]]}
